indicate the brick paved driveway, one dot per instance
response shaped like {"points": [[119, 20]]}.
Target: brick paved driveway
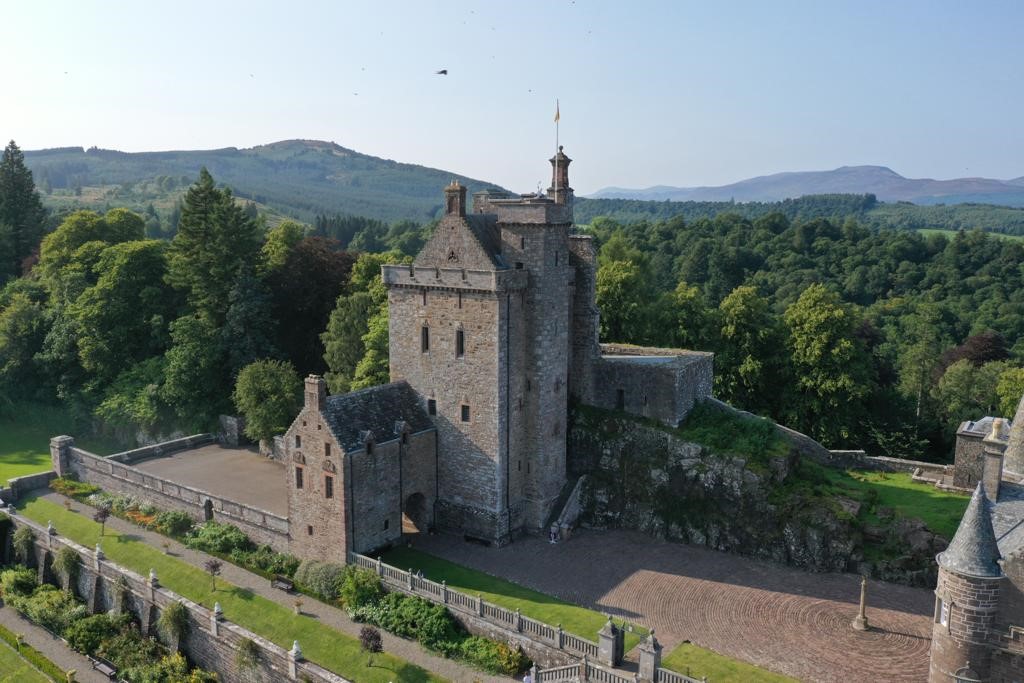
{"points": [[777, 617]]}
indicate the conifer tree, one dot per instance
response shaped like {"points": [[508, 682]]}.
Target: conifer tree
{"points": [[21, 212]]}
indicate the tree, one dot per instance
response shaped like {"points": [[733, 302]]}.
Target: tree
{"points": [[268, 394], [373, 368], [100, 517], [370, 642], [249, 325], [831, 367], [1010, 389], [750, 352], [63, 247], [23, 324], [196, 373], [213, 567], [968, 392], [622, 296], [21, 211], [280, 241], [343, 339], [215, 240]]}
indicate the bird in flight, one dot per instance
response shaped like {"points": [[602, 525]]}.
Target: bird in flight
{"points": [[442, 72]]}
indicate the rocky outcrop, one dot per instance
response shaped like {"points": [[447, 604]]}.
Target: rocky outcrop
{"points": [[647, 478]]}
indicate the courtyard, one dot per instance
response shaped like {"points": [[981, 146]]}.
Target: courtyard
{"points": [[238, 474], [775, 617]]}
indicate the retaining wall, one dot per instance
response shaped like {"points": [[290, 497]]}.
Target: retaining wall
{"points": [[19, 486], [115, 474], [211, 643]]}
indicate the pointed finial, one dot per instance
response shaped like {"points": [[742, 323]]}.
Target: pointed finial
{"points": [[218, 613], [296, 651], [99, 551], [50, 529]]}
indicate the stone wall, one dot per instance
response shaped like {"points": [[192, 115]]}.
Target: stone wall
{"points": [[968, 459], [21, 485], [115, 476], [211, 643]]}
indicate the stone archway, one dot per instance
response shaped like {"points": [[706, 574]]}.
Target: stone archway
{"points": [[415, 518]]}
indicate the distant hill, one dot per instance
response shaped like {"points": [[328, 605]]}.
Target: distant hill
{"points": [[298, 178], [884, 183]]}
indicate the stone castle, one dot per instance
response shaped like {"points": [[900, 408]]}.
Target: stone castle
{"points": [[493, 328]]}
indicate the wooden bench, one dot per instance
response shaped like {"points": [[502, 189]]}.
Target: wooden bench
{"points": [[104, 666], [282, 582]]}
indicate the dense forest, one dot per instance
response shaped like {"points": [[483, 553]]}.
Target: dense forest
{"points": [[882, 339]]}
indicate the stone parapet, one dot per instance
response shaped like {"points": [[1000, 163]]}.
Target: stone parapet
{"points": [[454, 278]]}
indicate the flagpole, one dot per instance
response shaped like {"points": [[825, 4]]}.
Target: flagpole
{"points": [[558, 117]]}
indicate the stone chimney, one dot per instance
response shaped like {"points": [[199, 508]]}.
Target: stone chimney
{"points": [[994, 446], [316, 393], [455, 199], [560, 191]]}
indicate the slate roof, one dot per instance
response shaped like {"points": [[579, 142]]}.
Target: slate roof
{"points": [[484, 227], [974, 550], [1015, 448], [377, 410]]}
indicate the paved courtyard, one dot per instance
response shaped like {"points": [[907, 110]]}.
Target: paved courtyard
{"points": [[238, 474], [773, 616]]}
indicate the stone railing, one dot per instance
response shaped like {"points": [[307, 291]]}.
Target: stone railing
{"points": [[212, 642], [586, 670], [666, 676], [116, 475], [474, 606]]}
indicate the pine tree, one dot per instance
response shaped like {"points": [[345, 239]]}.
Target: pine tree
{"points": [[21, 212]]}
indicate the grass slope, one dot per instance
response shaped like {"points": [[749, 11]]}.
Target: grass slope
{"points": [[326, 646], [573, 618], [695, 661], [25, 440], [940, 510], [14, 669]]}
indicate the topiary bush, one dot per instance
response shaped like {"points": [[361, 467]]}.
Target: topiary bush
{"points": [[322, 579]]}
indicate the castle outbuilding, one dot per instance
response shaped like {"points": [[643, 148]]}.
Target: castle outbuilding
{"points": [[491, 329]]}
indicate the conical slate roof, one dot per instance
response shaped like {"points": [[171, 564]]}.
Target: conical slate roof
{"points": [[1014, 457], [974, 551]]}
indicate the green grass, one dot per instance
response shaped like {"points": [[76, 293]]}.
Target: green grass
{"points": [[321, 644], [694, 661], [941, 511], [927, 232], [25, 440], [573, 618], [14, 669]]}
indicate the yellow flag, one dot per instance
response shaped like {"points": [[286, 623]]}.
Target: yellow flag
{"points": [[557, 114]]}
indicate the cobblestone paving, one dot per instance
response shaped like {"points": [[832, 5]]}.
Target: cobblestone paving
{"points": [[776, 617]]}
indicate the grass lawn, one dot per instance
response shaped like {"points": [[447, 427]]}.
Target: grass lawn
{"points": [[25, 440], [940, 510], [573, 618], [694, 661], [14, 669], [326, 646]]}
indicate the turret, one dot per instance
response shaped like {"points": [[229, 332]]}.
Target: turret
{"points": [[560, 191], [967, 596]]}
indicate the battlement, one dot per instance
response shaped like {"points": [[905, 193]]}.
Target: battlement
{"points": [[454, 278], [529, 209]]}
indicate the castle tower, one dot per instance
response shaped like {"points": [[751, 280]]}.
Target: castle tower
{"points": [[966, 597]]}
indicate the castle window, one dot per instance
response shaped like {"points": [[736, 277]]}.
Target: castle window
{"points": [[424, 297], [424, 339], [431, 406], [405, 438], [557, 428], [519, 265], [620, 399], [327, 450], [460, 343], [460, 293], [465, 413], [303, 423], [519, 466], [309, 530], [556, 258], [319, 427], [298, 477], [522, 243], [943, 612], [369, 448], [298, 441], [328, 487], [528, 384], [386, 523]]}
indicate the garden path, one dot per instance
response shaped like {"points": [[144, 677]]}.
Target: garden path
{"points": [[55, 649], [326, 614]]}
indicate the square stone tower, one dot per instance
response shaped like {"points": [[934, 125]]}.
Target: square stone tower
{"points": [[480, 327]]}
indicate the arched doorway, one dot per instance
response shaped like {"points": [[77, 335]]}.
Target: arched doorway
{"points": [[414, 515]]}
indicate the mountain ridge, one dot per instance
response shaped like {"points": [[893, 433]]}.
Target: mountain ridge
{"points": [[886, 184]]}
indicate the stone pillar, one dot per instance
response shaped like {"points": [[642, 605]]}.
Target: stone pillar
{"points": [[479, 605], [860, 622], [216, 616], [994, 446], [93, 598], [294, 657], [519, 621], [409, 575], [153, 584], [650, 658], [606, 643], [559, 637], [584, 666], [444, 592], [59, 452]]}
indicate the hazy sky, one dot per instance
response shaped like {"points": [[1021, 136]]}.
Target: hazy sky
{"points": [[675, 93]]}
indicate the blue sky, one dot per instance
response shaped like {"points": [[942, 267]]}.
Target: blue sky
{"points": [[676, 93]]}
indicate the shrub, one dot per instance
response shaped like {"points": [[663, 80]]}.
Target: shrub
{"points": [[86, 635], [171, 668], [18, 581], [51, 608], [264, 559], [217, 538], [72, 488], [358, 587], [67, 563], [419, 619], [320, 578], [5, 528], [370, 640], [248, 654], [173, 523], [173, 622], [129, 649], [23, 541], [496, 658]]}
